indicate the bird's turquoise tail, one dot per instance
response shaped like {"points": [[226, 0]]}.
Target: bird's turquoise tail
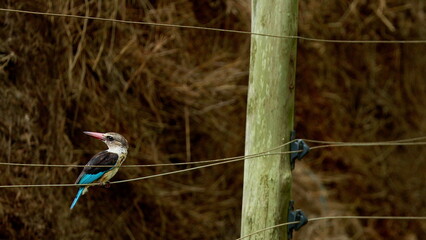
{"points": [[80, 191]]}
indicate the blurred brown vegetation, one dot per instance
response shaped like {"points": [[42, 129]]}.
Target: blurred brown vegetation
{"points": [[179, 95]]}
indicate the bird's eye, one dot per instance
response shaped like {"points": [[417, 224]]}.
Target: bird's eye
{"points": [[109, 138]]}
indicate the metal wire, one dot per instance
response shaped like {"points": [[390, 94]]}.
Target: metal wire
{"points": [[134, 179], [216, 162], [265, 153], [326, 144], [336, 217], [214, 29]]}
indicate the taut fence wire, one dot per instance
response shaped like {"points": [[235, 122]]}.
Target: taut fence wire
{"points": [[337, 217], [215, 162], [213, 29]]}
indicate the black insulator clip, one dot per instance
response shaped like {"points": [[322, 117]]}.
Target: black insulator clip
{"points": [[295, 216], [298, 149]]}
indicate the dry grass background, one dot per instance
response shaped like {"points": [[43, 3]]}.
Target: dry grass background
{"points": [[179, 95]]}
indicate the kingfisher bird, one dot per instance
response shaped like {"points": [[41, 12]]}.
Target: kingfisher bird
{"points": [[114, 156]]}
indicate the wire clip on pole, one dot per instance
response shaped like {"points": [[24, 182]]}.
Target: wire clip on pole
{"points": [[295, 216], [298, 149]]}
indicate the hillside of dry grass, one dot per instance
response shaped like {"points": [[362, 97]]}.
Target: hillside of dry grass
{"points": [[179, 95]]}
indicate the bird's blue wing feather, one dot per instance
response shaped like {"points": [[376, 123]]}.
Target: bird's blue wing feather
{"points": [[85, 179], [103, 158], [89, 178], [80, 191]]}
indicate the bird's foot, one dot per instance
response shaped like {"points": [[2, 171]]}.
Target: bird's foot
{"points": [[106, 184]]}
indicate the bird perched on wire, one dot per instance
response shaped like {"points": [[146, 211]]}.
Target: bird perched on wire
{"points": [[114, 156]]}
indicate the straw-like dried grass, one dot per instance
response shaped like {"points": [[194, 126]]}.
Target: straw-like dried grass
{"points": [[179, 95]]}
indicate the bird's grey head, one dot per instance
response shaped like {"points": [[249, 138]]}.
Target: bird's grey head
{"points": [[113, 140]]}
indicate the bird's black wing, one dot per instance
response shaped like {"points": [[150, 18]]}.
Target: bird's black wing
{"points": [[102, 158]]}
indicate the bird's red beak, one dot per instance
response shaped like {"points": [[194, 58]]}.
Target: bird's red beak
{"points": [[96, 135]]}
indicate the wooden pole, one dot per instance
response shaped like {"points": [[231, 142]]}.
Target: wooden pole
{"points": [[270, 116]]}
